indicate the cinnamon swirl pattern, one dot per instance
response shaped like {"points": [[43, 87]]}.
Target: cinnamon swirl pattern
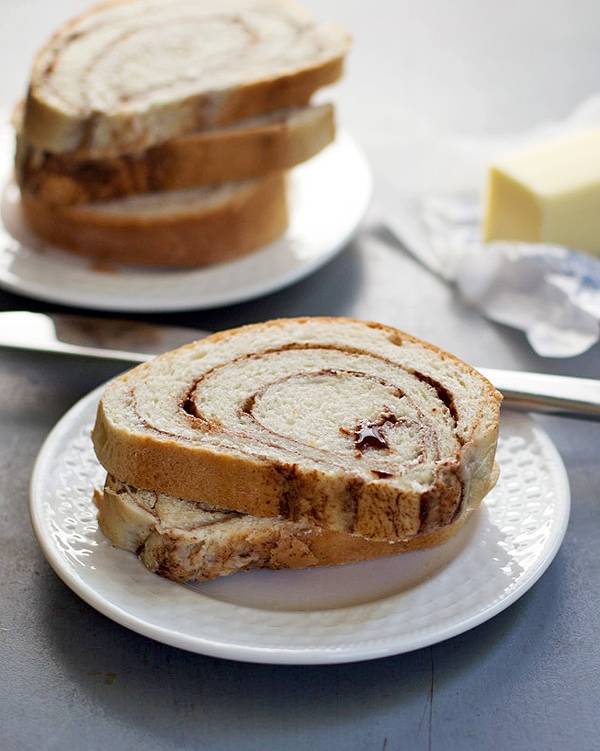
{"points": [[133, 73], [340, 424]]}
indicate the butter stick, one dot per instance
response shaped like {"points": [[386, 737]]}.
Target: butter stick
{"points": [[548, 193]]}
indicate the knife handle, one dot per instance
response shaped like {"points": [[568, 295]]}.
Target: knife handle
{"points": [[551, 394]]}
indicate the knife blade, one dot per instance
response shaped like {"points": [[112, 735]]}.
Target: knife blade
{"points": [[108, 338], [135, 342]]}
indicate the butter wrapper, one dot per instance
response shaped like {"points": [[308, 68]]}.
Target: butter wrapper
{"points": [[551, 293]]}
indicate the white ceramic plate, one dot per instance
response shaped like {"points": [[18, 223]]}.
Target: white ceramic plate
{"points": [[328, 197], [328, 615]]}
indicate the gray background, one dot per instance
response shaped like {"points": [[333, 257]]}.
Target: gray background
{"points": [[71, 679]]}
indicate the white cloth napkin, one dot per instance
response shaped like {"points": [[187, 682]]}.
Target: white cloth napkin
{"points": [[551, 293]]}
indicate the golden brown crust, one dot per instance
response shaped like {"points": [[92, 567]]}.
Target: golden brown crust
{"points": [[180, 556], [248, 485], [201, 158], [94, 135], [255, 216]]}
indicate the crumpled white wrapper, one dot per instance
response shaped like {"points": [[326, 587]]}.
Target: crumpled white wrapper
{"points": [[549, 292]]}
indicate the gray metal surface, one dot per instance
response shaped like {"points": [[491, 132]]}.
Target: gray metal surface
{"points": [[530, 678]]}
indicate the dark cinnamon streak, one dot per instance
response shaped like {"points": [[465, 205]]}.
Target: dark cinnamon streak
{"points": [[354, 490], [371, 435], [443, 394], [424, 510], [289, 495], [188, 406]]}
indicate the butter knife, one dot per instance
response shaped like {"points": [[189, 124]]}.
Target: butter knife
{"points": [[135, 342]]}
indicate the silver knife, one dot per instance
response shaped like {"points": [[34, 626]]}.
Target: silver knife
{"points": [[134, 342]]}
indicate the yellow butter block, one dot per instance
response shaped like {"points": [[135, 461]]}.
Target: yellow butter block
{"points": [[548, 193]]}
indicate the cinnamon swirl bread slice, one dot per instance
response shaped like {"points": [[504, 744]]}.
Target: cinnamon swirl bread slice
{"points": [[130, 74], [185, 541], [193, 227], [345, 425], [249, 149]]}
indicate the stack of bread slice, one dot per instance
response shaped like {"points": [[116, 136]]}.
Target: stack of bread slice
{"points": [[159, 131], [293, 443]]}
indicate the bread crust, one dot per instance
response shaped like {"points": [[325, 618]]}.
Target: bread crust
{"points": [[202, 158], [253, 216], [182, 555], [101, 134], [266, 488]]}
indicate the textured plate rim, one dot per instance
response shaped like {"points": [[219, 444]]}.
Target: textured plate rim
{"points": [[15, 284], [270, 655]]}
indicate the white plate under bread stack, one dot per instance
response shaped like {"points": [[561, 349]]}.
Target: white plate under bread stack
{"points": [[159, 132], [289, 444]]}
